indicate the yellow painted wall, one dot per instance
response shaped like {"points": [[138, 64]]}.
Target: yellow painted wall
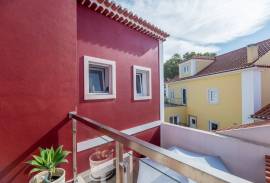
{"points": [[201, 64], [264, 60], [227, 112], [180, 111], [266, 86]]}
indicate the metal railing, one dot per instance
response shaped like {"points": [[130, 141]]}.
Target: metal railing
{"points": [[156, 153], [174, 101]]}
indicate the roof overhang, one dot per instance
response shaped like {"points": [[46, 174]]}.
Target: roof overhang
{"points": [[119, 14]]}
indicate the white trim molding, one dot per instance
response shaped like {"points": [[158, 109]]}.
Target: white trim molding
{"points": [[193, 67], [251, 93], [112, 78], [147, 83], [161, 81], [210, 99], [91, 143]]}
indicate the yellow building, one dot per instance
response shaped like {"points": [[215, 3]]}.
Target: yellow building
{"points": [[222, 91]]}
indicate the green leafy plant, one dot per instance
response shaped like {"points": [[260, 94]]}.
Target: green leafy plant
{"points": [[48, 160]]}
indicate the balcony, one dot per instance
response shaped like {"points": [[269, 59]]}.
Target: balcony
{"points": [[185, 155], [170, 102]]}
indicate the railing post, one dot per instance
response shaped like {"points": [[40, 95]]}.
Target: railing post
{"points": [[74, 147], [119, 162]]}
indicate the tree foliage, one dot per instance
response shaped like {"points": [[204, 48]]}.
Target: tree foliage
{"points": [[171, 66], [189, 55]]}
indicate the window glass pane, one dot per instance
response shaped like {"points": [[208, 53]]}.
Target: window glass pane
{"points": [[212, 96], [139, 83], [184, 96], [96, 79], [214, 126]]}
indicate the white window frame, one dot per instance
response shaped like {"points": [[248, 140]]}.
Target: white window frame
{"points": [[185, 69], [181, 96], [210, 125], [142, 96], [171, 94], [112, 78], [210, 100], [177, 122]]}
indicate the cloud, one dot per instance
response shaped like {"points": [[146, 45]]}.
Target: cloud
{"points": [[172, 46], [198, 25]]}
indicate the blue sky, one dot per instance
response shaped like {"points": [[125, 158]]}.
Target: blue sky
{"points": [[206, 25]]}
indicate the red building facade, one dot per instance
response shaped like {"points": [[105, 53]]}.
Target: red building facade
{"points": [[42, 49]]}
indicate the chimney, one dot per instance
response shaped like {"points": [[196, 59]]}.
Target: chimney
{"points": [[252, 53]]}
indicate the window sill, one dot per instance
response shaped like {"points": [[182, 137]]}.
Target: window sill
{"points": [[142, 98], [213, 103], [99, 96]]}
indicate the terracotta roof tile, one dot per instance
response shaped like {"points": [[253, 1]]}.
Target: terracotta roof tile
{"points": [[264, 113], [231, 61], [117, 13], [204, 57], [249, 125]]}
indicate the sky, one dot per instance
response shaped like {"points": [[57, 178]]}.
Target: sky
{"points": [[205, 25]]}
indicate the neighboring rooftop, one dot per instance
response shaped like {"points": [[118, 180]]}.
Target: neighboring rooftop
{"points": [[249, 125], [119, 14], [231, 61], [201, 58], [263, 113]]}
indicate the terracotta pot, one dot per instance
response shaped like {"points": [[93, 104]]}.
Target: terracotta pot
{"points": [[39, 178]]}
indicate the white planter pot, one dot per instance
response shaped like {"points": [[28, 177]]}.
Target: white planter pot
{"points": [[100, 167], [39, 178]]}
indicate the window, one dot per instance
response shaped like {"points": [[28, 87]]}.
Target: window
{"points": [[213, 126], [174, 120], [99, 79], [183, 94], [185, 69], [142, 83], [213, 97], [171, 93], [192, 121]]}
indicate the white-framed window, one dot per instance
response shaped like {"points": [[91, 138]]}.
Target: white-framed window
{"points": [[142, 83], [183, 95], [185, 69], [171, 93], [213, 125], [99, 78], [213, 96], [174, 120]]}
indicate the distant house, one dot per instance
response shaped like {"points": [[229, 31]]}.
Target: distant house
{"points": [[218, 92]]}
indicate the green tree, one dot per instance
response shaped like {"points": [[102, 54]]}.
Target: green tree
{"points": [[171, 66], [189, 55]]}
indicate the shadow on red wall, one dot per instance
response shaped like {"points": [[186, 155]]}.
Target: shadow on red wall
{"points": [[51, 138]]}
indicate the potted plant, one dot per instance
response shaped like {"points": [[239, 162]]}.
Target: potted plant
{"points": [[46, 163]]}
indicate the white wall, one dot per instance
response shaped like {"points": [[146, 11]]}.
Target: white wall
{"points": [[243, 159], [257, 134], [251, 93]]}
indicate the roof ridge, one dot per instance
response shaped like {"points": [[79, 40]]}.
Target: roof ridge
{"points": [[244, 47]]}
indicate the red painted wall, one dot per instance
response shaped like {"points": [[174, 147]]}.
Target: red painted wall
{"points": [[41, 78], [99, 36], [37, 80]]}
